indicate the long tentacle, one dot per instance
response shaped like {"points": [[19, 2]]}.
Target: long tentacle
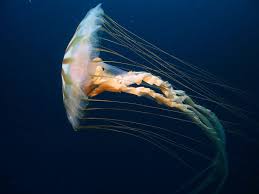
{"points": [[203, 117]]}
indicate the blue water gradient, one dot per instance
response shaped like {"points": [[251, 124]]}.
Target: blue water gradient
{"points": [[39, 151]]}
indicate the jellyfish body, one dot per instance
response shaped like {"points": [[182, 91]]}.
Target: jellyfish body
{"points": [[78, 64], [85, 75]]}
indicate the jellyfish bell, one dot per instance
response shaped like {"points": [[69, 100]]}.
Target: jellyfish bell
{"points": [[78, 64], [86, 74]]}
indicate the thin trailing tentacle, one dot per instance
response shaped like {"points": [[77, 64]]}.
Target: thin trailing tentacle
{"points": [[203, 117]]}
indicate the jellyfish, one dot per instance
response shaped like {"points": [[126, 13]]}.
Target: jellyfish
{"points": [[91, 69]]}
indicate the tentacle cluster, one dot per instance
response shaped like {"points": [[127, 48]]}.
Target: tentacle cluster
{"points": [[147, 80]]}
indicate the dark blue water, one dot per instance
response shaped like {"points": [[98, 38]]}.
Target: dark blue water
{"points": [[39, 151]]}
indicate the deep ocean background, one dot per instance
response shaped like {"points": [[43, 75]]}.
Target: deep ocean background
{"points": [[39, 151]]}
